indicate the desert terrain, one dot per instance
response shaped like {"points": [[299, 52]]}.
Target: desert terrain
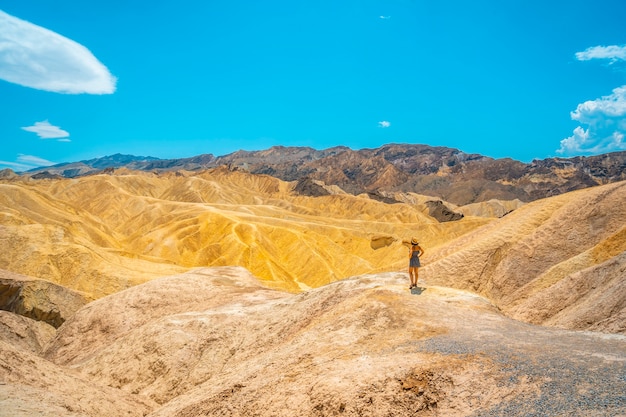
{"points": [[439, 172], [225, 292]]}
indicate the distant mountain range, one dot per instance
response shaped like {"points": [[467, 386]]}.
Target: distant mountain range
{"points": [[441, 172]]}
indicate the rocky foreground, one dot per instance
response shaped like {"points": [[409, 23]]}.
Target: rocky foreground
{"points": [[214, 341]]}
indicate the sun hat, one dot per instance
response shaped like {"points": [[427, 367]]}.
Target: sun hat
{"points": [[414, 241]]}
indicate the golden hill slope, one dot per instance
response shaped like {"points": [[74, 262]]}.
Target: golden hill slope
{"points": [[559, 261], [101, 234]]}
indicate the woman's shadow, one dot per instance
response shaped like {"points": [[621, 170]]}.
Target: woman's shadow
{"points": [[417, 290]]}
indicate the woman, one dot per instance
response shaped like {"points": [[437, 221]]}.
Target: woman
{"points": [[414, 261]]}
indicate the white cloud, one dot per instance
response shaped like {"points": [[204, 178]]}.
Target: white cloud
{"points": [[34, 160], [606, 121], [35, 57], [47, 131], [384, 124], [612, 52], [385, 17], [26, 162], [14, 166]]}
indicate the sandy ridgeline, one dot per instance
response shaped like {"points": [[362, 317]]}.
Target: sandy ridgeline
{"points": [[220, 340]]}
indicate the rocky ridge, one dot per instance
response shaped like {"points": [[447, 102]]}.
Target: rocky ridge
{"points": [[440, 172], [38, 299]]}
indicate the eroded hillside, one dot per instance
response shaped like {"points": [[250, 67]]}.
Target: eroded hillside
{"points": [[559, 261], [101, 234]]}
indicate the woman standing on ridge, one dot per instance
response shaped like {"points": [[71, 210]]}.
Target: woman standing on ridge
{"points": [[415, 251]]}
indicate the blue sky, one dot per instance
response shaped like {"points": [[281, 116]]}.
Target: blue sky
{"points": [[520, 78]]}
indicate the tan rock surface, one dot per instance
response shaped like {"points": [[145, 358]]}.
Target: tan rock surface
{"points": [[24, 333], [93, 328], [43, 236], [31, 386], [491, 208], [215, 342], [38, 299], [558, 261]]}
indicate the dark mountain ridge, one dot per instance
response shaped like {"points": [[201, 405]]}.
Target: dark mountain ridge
{"points": [[441, 172]]}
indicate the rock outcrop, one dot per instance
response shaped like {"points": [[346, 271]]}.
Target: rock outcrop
{"points": [[441, 212], [310, 188], [24, 333], [8, 174], [38, 299]]}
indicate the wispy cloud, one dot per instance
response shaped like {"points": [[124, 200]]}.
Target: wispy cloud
{"points": [[26, 162], [613, 53], [384, 124], [35, 57], [606, 121], [384, 17], [47, 131], [34, 160]]}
